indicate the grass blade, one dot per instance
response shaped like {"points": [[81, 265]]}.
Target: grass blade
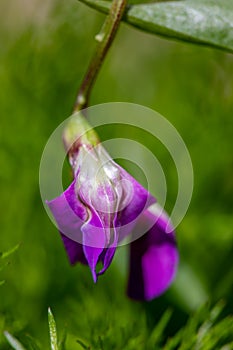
{"points": [[52, 331], [13, 341]]}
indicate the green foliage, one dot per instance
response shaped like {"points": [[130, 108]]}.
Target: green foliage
{"points": [[203, 331], [5, 255], [206, 22]]}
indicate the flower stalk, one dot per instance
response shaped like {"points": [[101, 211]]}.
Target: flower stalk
{"points": [[105, 39]]}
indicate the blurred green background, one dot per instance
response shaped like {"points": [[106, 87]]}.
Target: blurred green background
{"points": [[44, 51]]}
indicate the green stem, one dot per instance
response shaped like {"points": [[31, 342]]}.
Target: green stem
{"points": [[104, 38]]}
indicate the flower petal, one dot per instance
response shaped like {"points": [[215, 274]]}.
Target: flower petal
{"points": [[108, 254], [74, 251], [153, 259], [70, 214], [94, 241], [141, 199]]}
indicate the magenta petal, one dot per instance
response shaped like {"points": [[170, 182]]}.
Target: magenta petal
{"points": [[94, 241], [74, 250], [107, 258], [153, 261], [108, 254], [69, 213], [140, 201]]}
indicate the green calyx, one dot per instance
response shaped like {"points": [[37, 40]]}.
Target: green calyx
{"points": [[79, 132]]}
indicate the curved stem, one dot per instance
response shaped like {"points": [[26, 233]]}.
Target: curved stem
{"points": [[104, 38]]}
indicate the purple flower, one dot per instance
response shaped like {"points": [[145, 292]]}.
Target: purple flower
{"points": [[104, 205]]}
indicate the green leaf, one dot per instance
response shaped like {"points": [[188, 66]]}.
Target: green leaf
{"points": [[81, 343], [62, 342], [204, 331], [207, 22], [9, 252], [13, 341], [157, 333], [52, 331], [31, 342]]}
